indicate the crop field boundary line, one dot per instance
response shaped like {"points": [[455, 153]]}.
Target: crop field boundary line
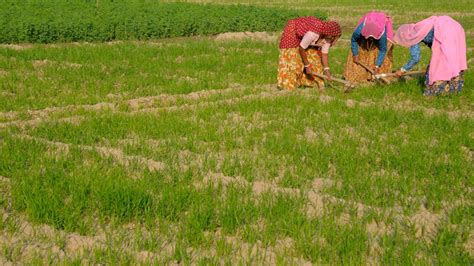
{"points": [[33, 239], [136, 104], [202, 94], [142, 105], [230, 101], [106, 152]]}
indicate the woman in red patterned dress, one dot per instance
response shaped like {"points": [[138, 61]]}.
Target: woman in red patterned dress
{"points": [[304, 48]]}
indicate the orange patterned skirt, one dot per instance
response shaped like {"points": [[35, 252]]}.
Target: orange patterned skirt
{"points": [[290, 69], [368, 53]]}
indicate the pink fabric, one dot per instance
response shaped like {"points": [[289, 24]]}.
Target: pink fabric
{"points": [[448, 57], [410, 34], [375, 25]]}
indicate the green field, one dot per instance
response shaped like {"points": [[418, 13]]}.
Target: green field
{"points": [[182, 150]]}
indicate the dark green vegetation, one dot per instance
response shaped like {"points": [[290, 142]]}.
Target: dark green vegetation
{"points": [[70, 21]]}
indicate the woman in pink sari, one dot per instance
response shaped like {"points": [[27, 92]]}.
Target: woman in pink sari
{"points": [[447, 41]]}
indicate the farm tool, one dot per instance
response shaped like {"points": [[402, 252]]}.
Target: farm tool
{"points": [[374, 76], [408, 73], [348, 86]]}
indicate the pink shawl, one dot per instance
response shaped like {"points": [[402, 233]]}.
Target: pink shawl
{"points": [[448, 57], [375, 25]]}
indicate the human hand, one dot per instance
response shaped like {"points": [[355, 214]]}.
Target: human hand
{"points": [[355, 59], [328, 74], [308, 70], [399, 73]]}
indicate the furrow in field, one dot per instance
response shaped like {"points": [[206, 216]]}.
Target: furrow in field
{"points": [[226, 102], [107, 152], [390, 103], [29, 241], [410, 106], [166, 101]]}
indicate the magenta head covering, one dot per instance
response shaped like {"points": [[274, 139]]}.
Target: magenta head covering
{"points": [[375, 25], [411, 34]]}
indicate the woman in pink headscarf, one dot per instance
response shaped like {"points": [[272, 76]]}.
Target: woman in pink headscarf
{"points": [[371, 45], [447, 41]]}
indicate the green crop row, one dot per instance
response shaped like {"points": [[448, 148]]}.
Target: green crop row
{"points": [[66, 21]]}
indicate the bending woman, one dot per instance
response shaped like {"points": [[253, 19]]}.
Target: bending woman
{"points": [[447, 41], [304, 48], [371, 45]]}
